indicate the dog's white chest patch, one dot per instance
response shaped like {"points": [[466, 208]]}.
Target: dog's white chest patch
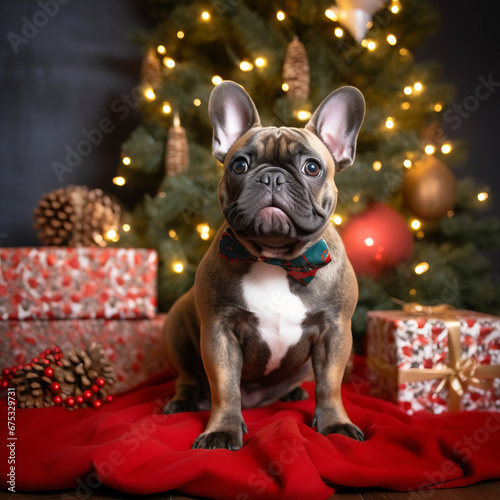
{"points": [[280, 313]]}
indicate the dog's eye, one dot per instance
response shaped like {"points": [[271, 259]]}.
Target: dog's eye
{"points": [[311, 169], [239, 166]]}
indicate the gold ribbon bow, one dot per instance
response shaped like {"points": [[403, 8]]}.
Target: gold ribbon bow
{"points": [[458, 375]]}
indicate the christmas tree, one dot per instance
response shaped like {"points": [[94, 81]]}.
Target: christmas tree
{"points": [[412, 231]]}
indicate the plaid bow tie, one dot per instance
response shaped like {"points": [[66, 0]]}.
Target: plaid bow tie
{"points": [[302, 268]]}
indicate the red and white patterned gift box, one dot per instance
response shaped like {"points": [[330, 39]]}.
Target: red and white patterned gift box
{"points": [[132, 346], [70, 283], [398, 343]]}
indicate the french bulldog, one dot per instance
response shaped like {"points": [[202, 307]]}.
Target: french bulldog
{"points": [[273, 296]]}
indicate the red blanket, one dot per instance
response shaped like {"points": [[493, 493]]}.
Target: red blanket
{"points": [[130, 446]]}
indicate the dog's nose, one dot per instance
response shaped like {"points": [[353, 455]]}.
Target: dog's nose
{"points": [[272, 178]]}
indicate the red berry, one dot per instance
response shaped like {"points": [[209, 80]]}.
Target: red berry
{"points": [[47, 351], [109, 398], [100, 382], [46, 362], [42, 355], [48, 372], [5, 383], [87, 394], [19, 367], [6, 371], [70, 401], [35, 360], [97, 403], [55, 387], [95, 388], [57, 349], [59, 363], [57, 399], [14, 370], [79, 400]]}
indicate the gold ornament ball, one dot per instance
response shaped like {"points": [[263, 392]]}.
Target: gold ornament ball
{"points": [[430, 189]]}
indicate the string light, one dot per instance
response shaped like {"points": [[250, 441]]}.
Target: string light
{"points": [[394, 9], [166, 108], [420, 235], [168, 62], [205, 16], [438, 107], [392, 40], [260, 62], [412, 292], [389, 123], [173, 234], [216, 80], [285, 87], [422, 268], [180, 34], [482, 196], [403, 52], [450, 213], [178, 267], [149, 94], [446, 148], [355, 198], [364, 42], [337, 219], [407, 163], [161, 49], [418, 86], [162, 194], [126, 227], [303, 115], [408, 90], [280, 15], [197, 102], [405, 105], [369, 242], [203, 228], [119, 181], [246, 66], [126, 160], [339, 33], [371, 45], [429, 149], [111, 235], [377, 165], [330, 15], [415, 224]]}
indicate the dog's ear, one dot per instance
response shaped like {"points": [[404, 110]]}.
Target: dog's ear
{"points": [[232, 113], [337, 122]]}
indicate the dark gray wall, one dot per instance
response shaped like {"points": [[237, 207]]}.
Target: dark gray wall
{"points": [[66, 77], [61, 82]]}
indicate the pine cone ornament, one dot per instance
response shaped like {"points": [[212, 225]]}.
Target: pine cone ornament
{"points": [[177, 152], [76, 379], [76, 216], [151, 69], [296, 70]]}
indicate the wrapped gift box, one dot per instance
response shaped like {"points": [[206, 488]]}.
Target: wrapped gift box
{"points": [[133, 346], [439, 361], [71, 283]]}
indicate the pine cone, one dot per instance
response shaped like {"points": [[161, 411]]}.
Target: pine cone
{"points": [[151, 69], [81, 369], [76, 216], [177, 152], [32, 385], [296, 70]]}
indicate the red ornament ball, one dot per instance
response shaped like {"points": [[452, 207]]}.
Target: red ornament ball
{"points": [[97, 403], [95, 388], [87, 394], [55, 387], [377, 240], [100, 382], [70, 401], [79, 400], [57, 399], [48, 372]]}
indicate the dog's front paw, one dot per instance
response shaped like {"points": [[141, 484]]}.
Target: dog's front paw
{"points": [[346, 429], [229, 440], [180, 406]]}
